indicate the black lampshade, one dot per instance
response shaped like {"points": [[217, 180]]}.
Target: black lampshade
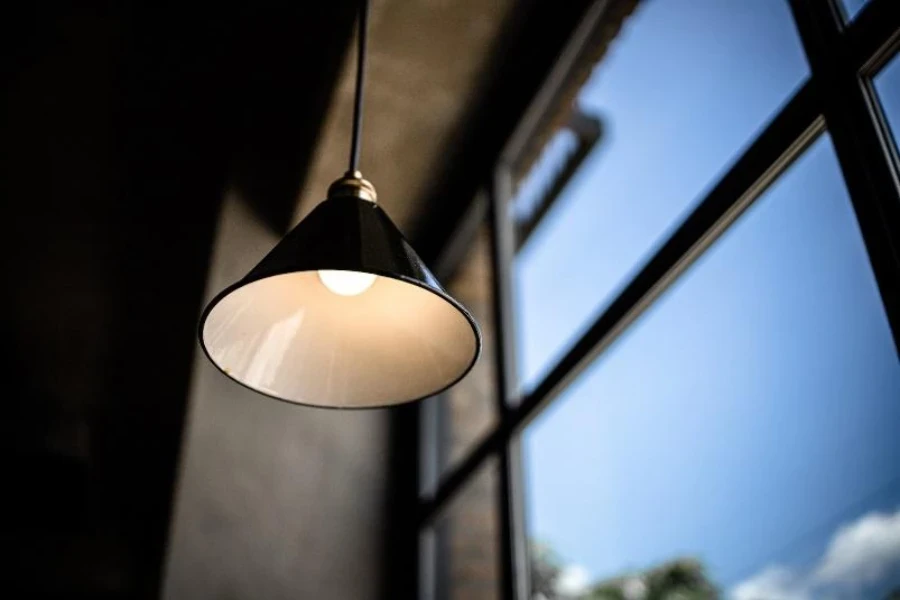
{"points": [[375, 329]]}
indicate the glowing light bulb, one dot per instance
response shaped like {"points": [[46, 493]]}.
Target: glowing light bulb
{"points": [[346, 283]]}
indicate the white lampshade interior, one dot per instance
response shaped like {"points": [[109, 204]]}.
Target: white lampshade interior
{"points": [[291, 337]]}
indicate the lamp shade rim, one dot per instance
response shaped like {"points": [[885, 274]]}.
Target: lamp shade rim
{"points": [[437, 291]]}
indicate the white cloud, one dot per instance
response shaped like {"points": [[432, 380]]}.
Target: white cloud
{"points": [[773, 583], [573, 580], [863, 552]]}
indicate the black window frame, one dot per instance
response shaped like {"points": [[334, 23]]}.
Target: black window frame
{"points": [[838, 96]]}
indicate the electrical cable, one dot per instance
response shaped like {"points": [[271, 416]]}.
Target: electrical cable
{"points": [[360, 81]]}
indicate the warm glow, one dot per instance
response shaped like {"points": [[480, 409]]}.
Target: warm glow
{"points": [[291, 337], [347, 283]]}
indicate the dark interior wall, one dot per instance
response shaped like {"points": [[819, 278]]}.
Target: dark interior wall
{"points": [[274, 500], [121, 125]]}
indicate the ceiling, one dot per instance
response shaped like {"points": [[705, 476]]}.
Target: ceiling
{"points": [[427, 62], [124, 128]]}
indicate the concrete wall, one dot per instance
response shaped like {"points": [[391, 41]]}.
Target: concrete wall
{"points": [[274, 500]]}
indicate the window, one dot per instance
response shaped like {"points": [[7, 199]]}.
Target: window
{"points": [[744, 426], [701, 345], [682, 89]]}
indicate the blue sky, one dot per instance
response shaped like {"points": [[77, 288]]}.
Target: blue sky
{"points": [[751, 413], [887, 85], [852, 7]]}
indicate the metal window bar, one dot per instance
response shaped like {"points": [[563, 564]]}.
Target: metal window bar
{"points": [[862, 150], [513, 548]]}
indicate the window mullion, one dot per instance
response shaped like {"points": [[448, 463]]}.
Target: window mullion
{"points": [[861, 150], [513, 546]]}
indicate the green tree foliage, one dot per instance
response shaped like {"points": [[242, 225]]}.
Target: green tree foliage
{"points": [[682, 579], [545, 570]]}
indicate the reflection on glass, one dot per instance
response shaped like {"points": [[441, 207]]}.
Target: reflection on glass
{"points": [[469, 409], [682, 89], [465, 556], [852, 8], [887, 85], [741, 439]]}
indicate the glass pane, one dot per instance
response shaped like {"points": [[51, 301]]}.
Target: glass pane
{"points": [[465, 550], [852, 8], [681, 91], [887, 85], [741, 439], [469, 410]]}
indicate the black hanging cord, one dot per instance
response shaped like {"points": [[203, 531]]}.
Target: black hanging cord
{"points": [[360, 81]]}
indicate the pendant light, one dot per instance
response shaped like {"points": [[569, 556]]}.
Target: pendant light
{"points": [[342, 313]]}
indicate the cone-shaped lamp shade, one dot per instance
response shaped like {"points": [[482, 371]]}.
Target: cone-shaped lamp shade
{"points": [[311, 325]]}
